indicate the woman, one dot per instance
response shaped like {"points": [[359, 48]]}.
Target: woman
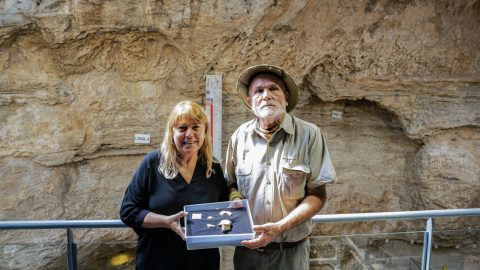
{"points": [[182, 172]]}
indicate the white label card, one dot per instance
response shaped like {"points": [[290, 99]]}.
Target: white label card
{"points": [[196, 216]]}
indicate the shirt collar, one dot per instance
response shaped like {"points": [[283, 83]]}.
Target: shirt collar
{"points": [[287, 123]]}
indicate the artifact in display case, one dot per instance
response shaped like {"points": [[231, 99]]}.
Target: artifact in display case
{"points": [[212, 225]]}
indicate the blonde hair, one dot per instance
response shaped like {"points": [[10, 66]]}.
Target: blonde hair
{"points": [[170, 162]]}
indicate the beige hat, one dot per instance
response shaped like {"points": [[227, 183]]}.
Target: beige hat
{"points": [[243, 84]]}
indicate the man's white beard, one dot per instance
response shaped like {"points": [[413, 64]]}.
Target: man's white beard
{"points": [[270, 112]]}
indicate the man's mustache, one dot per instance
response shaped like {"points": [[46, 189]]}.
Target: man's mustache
{"points": [[268, 102]]}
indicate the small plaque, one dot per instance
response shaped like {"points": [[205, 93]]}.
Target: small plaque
{"points": [[337, 114], [142, 138]]}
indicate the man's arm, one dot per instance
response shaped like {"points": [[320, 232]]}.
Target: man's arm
{"points": [[229, 173], [311, 205], [237, 196]]}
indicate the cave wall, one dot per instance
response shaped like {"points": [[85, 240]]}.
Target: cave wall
{"points": [[79, 78]]}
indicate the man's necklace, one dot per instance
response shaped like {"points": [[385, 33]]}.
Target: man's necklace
{"points": [[268, 132]]}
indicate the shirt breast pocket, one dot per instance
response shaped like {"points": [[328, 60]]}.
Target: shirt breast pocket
{"points": [[244, 178], [293, 181]]}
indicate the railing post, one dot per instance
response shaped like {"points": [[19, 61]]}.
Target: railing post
{"points": [[427, 245], [71, 251]]}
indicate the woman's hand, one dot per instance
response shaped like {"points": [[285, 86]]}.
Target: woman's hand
{"points": [[174, 224], [153, 220]]}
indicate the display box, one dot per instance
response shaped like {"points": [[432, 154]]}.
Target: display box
{"points": [[201, 217]]}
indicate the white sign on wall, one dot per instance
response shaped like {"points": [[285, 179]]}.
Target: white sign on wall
{"points": [[142, 138], [337, 114], [214, 112]]}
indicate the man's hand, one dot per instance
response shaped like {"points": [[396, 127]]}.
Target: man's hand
{"points": [[311, 204], [235, 203], [268, 232]]}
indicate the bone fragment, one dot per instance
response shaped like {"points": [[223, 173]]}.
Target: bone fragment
{"points": [[226, 213], [226, 225]]}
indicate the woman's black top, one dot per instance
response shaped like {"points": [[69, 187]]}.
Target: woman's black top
{"points": [[150, 191]]}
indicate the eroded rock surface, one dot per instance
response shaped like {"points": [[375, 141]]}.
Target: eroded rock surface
{"points": [[79, 78]]}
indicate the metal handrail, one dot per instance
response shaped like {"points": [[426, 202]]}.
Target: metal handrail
{"points": [[60, 224], [76, 224], [396, 215]]}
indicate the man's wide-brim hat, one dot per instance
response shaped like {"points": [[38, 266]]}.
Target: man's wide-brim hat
{"points": [[244, 80]]}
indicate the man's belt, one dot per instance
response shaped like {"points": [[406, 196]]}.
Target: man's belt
{"points": [[282, 245]]}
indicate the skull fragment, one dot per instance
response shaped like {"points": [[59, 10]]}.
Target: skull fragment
{"points": [[226, 225]]}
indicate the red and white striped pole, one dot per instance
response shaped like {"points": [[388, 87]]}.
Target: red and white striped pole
{"points": [[214, 112]]}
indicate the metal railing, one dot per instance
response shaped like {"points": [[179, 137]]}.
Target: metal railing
{"points": [[430, 215]]}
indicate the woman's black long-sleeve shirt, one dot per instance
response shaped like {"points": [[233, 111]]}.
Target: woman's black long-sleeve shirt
{"points": [[150, 191]]}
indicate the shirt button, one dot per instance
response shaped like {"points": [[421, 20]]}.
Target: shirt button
{"points": [[268, 202], [271, 144], [269, 163], [268, 182]]}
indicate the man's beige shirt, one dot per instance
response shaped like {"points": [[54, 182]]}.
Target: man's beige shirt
{"points": [[272, 174]]}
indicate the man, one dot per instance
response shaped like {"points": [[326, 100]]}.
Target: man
{"points": [[280, 164]]}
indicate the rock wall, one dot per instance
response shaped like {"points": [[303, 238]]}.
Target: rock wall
{"points": [[79, 78]]}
